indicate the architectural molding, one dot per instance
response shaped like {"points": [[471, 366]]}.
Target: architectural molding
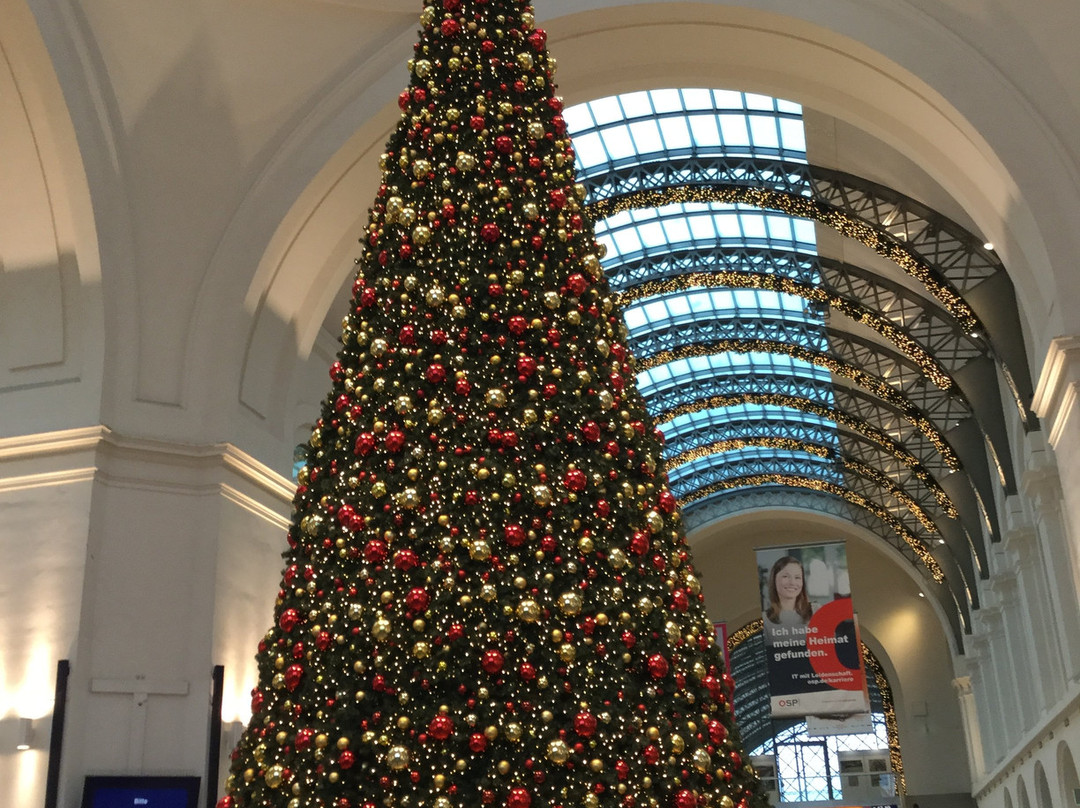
{"points": [[122, 460], [1059, 386]]}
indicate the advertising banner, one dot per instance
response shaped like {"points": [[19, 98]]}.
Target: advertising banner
{"points": [[811, 642]]}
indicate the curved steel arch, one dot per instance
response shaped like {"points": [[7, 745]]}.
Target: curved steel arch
{"points": [[917, 550], [869, 380], [860, 414], [948, 260], [917, 327], [843, 464]]}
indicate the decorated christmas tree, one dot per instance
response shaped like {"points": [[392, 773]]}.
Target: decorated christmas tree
{"points": [[488, 596]]}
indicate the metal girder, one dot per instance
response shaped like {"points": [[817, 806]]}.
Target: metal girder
{"points": [[950, 261], [856, 291]]}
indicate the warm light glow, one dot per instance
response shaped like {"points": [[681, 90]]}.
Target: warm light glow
{"points": [[988, 245], [34, 698], [26, 734]]}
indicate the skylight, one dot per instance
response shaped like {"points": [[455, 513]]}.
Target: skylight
{"points": [[682, 125]]}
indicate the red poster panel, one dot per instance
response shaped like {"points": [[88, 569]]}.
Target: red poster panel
{"points": [[811, 641]]}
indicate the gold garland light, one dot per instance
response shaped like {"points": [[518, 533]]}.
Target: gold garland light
{"points": [[776, 283], [790, 444], [868, 431], [796, 481], [804, 208], [840, 368]]}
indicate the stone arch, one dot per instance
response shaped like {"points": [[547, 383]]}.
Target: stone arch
{"points": [[1068, 781], [48, 244], [1043, 797], [308, 259], [1021, 793]]}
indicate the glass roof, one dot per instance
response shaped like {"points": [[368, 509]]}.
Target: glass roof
{"points": [[643, 232], [648, 127], [634, 127], [741, 414], [699, 368], [752, 460]]}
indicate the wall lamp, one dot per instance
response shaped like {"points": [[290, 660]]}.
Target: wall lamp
{"points": [[26, 734]]}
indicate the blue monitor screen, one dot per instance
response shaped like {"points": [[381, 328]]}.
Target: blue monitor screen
{"points": [[141, 792]]}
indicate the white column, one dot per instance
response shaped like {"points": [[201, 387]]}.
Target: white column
{"points": [[987, 699], [1055, 485], [1043, 489], [1021, 544], [1019, 650], [991, 625], [970, 714]]}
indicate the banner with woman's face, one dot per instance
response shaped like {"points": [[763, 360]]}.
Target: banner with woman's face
{"points": [[812, 645]]}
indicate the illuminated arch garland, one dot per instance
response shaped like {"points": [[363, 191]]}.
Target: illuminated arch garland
{"points": [[860, 377], [775, 283], [846, 463], [795, 481], [809, 207], [874, 667]]}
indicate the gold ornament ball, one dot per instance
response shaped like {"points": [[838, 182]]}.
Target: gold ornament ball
{"points": [[513, 732], [397, 758], [421, 234], [542, 495], [381, 629], [465, 162], [479, 550], [702, 760], [558, 752], [275, 775], [435, 296], [727, 802], [495, 397], [570, 603], [529, 611], [421, 168]]}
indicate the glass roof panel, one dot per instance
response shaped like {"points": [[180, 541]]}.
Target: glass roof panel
{"points": [[700, 225], [690, 120], [699, 368], [741, 413], [755, 459]]}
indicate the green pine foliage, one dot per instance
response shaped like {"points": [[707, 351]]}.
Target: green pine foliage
{"points": [[489, 598]]}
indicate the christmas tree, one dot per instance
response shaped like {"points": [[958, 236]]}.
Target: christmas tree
{"points": [[488, 598]]}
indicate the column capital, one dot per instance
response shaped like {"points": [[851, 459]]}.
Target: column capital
{"points": [[1056, 394], [962, 685], [1005, 587]]}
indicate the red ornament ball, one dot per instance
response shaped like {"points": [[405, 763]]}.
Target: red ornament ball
{"points": [[417, 600], [450, 28], [293, 675], [658, 666], [288, 620], [685, 798], [346, 759], [519, 798], [441, 727], [490, 232], [575, 480], [585, 724], [492, 661]]}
